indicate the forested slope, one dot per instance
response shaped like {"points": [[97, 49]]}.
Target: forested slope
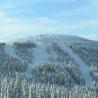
{"points": [[49, 66]]}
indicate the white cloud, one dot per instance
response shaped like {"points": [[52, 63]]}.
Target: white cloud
{"points": [[11, 25], [87, 24], [2, 14]]}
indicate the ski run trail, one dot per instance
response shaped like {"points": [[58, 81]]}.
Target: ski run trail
{"points": [[11, 52], [83, 67]]}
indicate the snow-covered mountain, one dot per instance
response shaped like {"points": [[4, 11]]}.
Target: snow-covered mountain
{"points": [[57, 59]]}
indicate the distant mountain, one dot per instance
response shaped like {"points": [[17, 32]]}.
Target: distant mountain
{"points": [[58, 59]]}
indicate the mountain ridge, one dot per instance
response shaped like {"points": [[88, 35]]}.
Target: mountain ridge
{"points": [[50, 35]]}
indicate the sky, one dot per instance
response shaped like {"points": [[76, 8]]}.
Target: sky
{"points": [[21, 18]]}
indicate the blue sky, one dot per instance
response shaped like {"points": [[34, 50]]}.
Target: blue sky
{"points": [[20, 18]]}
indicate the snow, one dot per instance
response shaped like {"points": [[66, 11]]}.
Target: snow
{"points": [[62, 38], [84, 51], [83, 67], [28, 72], [42, 57], [56, 37], [40, 54], [10, 50]]}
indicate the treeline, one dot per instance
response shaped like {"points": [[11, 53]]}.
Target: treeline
{"points": [[22, 50]]}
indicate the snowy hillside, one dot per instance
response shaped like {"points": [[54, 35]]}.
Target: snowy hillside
{"points": [[64, 63], [55, 49], [68, 53]]}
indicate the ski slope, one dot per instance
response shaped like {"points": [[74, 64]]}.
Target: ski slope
{"points": [[10, 50], [40, 54], [28, 72], [83, 67]]}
